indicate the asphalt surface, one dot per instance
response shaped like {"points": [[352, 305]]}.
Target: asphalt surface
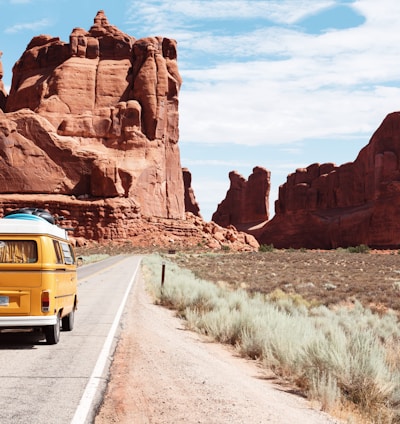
{"points": [[42, 383]]}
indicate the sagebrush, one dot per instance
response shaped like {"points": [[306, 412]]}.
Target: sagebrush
{"points": [[336, 355]]}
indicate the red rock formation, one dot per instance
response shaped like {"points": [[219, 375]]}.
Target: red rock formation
{"points": [[97, 117], [3, 93], [327, 206], [91, 133], [118, 221], [246, 202], [191, 204]]}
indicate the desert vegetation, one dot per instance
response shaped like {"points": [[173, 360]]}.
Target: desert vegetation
{"points": [[324, 322]]}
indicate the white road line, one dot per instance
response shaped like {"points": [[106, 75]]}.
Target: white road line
{"points": [[86, 401]]}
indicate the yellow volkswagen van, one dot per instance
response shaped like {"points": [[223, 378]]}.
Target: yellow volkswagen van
{"points": [[38, 281]]}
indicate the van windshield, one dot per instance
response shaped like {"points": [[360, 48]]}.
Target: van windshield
{"points": [[18, 251]]}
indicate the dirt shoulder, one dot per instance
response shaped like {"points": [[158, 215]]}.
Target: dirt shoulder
{"points": [[162, 373]]}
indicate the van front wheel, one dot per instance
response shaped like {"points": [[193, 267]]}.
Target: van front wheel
{"points": [[52, 332], [68, 321]]}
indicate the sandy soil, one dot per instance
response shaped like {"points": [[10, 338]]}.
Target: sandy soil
{"points": [[162, 374]]}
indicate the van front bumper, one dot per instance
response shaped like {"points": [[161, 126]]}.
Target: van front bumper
{"points": [[27, 321]]}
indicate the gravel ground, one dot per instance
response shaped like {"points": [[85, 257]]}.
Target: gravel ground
{"points": [[162, 373]]}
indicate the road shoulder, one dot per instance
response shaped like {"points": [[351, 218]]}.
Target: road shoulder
{"points": [[162, 373]]}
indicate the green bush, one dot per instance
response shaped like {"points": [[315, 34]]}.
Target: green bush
{"points": [[362, 248], [266, 248]]}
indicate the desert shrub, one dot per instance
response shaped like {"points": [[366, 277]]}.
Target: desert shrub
{"points": [[222, 324], [342, 355], [356, 363], [181, 289], [324, 388], [288, 301], [362, 248], [266, 248], [253, 342]]}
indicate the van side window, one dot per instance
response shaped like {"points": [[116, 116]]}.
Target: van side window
{"points": [[69, 257], [57, 249], [18, 251]]}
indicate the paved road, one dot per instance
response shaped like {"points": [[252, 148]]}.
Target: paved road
{"points": [[42, 383]]}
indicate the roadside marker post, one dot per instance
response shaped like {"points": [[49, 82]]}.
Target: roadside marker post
{"points": [[162, 274]]}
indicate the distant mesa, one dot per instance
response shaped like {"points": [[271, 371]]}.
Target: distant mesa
{"points": [[324, 206], [327, 206]]}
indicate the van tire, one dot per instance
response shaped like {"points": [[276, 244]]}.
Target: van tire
{"points": [[68, 321], [52, 332]]}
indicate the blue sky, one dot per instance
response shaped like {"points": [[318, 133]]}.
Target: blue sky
{"points": [[275, 83]]}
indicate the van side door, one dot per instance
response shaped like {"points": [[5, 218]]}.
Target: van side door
{"points": [[66, 286]]}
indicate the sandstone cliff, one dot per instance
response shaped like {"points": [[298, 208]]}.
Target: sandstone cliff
{"points": [[90, 131], [191, 204], [327, 206], [246, 202], [98, 116]]}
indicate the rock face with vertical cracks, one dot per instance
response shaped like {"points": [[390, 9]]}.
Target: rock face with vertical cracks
{"points": [[96, 118], [328, 206], [89, 131], [246, 202], [191, 204]]}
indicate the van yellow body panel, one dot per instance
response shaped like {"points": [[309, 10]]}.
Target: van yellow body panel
{"points": [[38, 279]]}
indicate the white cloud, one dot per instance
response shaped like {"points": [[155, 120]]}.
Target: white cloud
{"points": [[257, 113], [335, 84], [157, 13], [278, 10], [28, 26]]}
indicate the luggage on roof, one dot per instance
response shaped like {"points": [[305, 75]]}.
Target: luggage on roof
{"points": [[29, 213]]}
